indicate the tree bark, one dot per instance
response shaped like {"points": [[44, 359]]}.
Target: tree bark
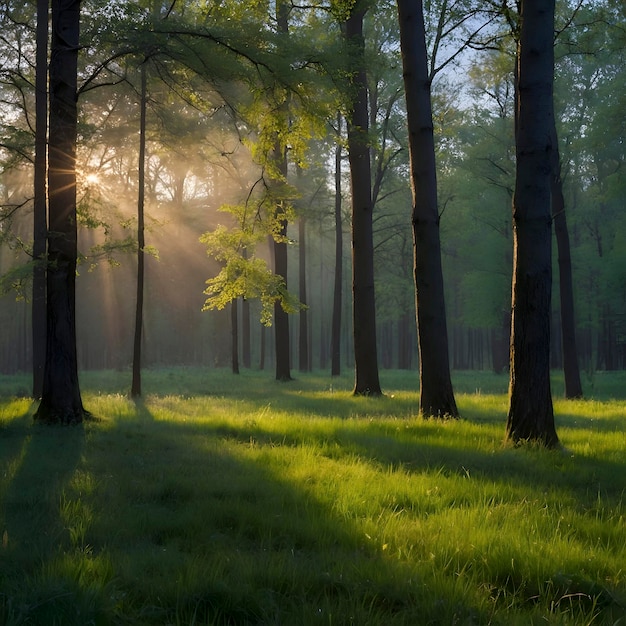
{"points": [[262, 348], [436, 393], [335, 341], [531, 414], [364, 303], [135, 390], [61, 401], [281, 317], [245, 333], [234, 330], [571, 371], [303, 337], [40, 220]]}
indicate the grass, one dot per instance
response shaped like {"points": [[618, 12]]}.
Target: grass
{"points": [[238, 500]]}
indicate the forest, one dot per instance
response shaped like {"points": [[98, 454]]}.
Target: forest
{"points": [[217, 145], [300, 261]]}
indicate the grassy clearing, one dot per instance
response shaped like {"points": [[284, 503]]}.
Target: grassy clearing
{"points": [[239, 500]]}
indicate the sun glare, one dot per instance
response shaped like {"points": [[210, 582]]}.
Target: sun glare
{"points": [[92, 179]]}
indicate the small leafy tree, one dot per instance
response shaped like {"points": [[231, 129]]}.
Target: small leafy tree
{"points": [[244, 274]]}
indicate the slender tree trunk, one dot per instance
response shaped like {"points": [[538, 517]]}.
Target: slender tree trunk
{"points": [[61, 401], [303, 337], [364, 302], [135, 390], [571, 371], [531, 414], [281, 317], [335, 342], [234, 330], [262, 349], [436, 393], [245, 333], [40, 221]]}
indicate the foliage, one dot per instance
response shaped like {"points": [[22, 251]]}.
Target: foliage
{"points": [[244, 275], [227, 90]]}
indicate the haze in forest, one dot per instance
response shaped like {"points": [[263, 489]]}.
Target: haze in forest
{"points": [[200, 157]]}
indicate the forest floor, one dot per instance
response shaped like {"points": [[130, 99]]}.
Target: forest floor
{"points": [[222, 499]]}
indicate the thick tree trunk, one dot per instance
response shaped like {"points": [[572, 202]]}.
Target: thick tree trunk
{"points": [[335, 341], [436, 393], [571, 372], [303, 337], [531, 415], [61, 401], [135, 390], [364, 303], [40, 221]]}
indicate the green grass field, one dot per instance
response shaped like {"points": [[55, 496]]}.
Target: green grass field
{"points": [[239, 500]]}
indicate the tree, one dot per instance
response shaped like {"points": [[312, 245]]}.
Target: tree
{"points": [[234, 335], [303, 331], [531, 414], [364, 302], [436, 394], [40, 220], [135, 389], [279, 242], [335, 342], [571, 372], [61, 400]]}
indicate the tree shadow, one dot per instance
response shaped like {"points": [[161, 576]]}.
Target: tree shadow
{"points": [[39, 464], [232, 539], [194, 531]]}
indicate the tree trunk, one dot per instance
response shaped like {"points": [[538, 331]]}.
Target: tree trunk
{"points": [[135, 390], [245, 333], [531, 414], [40, 225], [234, 330], [436, 393], [61, 401], [364, 303], [262, 348], [281, 318], [335, 341], [303, 337], [571, 372]]}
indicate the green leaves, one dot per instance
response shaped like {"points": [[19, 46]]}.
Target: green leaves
{"points": [[243, 273]]}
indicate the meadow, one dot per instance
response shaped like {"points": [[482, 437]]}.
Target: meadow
{"points": [[237, 500]]}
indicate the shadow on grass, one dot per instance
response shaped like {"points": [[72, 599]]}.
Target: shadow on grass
{"points": [[35, 522], [204, 530], [202, 523], [423, 445]]}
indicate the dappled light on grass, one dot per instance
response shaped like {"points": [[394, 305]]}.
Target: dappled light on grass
{"points": [[256, 503]]}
